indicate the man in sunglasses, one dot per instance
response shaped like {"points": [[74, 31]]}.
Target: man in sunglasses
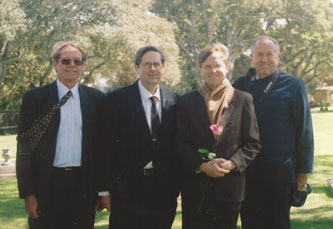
{"points": [[56, 146]]}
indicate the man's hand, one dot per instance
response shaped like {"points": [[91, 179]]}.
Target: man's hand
{"points": [[302, 180], [31, 206], [103, 202], [213, 168]]}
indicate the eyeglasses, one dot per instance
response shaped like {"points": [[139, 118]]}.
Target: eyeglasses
{"points": [[149, 65], [66, 61]]}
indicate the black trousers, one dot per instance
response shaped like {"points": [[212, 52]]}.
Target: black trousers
{"points": [[267, 206], [142, 207], [67, 207], [223, 215]]}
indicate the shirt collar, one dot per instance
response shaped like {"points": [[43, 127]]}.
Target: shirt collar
{"points": [[62, 89], [268, 78], [145, 94]]}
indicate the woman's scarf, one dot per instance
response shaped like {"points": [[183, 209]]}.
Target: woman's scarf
{"points": [[217, 99]]}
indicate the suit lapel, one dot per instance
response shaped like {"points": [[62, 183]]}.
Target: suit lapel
{"points": [[202, 110], [203, 114], [51, 134], [165, 105], [53, 96], [84, 104], [52, 99], [226, 115], [136, 108]]}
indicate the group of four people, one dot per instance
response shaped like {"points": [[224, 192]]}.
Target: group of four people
{"points": [[134, 150]]}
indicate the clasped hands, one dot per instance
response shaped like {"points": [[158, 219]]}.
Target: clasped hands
{"points": [[217, 167]]}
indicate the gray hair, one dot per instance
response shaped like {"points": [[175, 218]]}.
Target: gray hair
{"points": [[57, 47], [254, 44]]}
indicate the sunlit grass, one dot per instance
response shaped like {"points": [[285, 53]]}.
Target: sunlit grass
{"points": [[323, 131], [318, 209], [12, 214]]}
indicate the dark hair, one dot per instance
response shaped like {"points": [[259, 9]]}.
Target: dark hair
{"points": [[142, 51], [209, 49], [254, 44], [57, 47]]}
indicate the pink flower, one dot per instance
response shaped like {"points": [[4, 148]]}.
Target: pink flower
{"points": [[216, 129]]}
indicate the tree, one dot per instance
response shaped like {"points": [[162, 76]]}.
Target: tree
{"points": [[12, 22], [304, 31], [134, 27], [52, 21], [302, 27], [201, 22], [110, 32]]}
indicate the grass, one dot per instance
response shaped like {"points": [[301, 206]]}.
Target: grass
{"points": [[12, 214], [317, 213], [318, 210]]}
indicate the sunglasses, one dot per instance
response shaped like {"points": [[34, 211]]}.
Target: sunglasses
{"points": [[68, 62]]}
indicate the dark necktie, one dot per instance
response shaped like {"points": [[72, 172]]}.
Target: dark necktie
{"points": [[40, 125], [155, 120]]}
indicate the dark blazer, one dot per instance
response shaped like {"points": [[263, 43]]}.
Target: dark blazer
{"points": [[128, 146], [34, 170], [238, 142]]}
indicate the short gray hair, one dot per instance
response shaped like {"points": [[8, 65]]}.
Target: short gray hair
{"points": [[254, 44], [57, 47]]}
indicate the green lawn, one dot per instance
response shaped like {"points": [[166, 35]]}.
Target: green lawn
{"points": [[317, 213], [318, 210]]}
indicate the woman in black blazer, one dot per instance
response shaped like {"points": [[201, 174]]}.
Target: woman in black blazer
{"points": [[217, 138]]}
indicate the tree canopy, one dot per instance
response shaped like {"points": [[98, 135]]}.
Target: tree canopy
{"points": [[112, 31], [303, 29]]}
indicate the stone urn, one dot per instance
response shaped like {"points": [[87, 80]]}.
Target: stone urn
{"points": [[6, 154]]}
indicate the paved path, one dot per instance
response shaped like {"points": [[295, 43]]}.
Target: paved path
{"points": [[7, 170]]}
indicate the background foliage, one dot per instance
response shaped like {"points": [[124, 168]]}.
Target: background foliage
{"points": [[112, 31]]}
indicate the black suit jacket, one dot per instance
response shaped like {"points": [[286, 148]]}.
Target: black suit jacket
{"points": [[34, 170], [128, 145], [238, 142]]}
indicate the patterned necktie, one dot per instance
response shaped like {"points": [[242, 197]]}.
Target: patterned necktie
{"points": [[155, 120], [37, 130]]}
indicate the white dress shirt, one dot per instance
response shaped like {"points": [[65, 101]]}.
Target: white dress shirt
{"points": [[69, 139], [146, 102]]}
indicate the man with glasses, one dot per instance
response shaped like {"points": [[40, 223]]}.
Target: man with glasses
{"points": [[140, 157], [56, 146]]}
